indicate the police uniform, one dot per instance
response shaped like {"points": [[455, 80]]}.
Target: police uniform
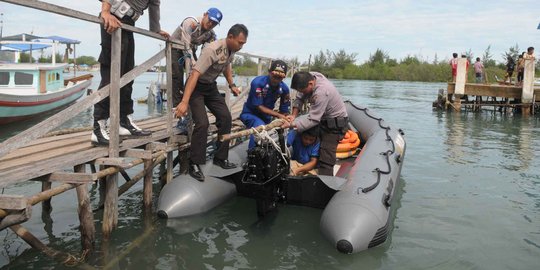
{"points": [[261, 93], [127, 57], [214, 59], [190, 32], [328, 110]]}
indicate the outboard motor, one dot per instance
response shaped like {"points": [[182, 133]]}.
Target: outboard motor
{"points": [[265, 174]]}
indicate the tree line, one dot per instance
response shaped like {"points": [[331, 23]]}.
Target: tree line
{"points": [[380, 66]]}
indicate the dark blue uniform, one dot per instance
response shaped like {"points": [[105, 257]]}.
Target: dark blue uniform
{"points": [[261, 93]]}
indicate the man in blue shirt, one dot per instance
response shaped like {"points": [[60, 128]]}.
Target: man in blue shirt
{"points": [[263, 94], [305, 151]]}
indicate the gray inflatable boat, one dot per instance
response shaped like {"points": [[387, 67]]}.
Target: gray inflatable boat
{"points": [[357, 201]]}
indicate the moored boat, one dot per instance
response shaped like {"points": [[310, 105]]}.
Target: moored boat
{"points": [[30, 89], [357, 201]]}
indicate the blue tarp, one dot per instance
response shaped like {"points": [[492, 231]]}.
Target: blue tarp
{"points": [[23, 47], [62, 40]]}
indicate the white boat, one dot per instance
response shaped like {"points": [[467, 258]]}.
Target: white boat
{"points": [[30, 89]]}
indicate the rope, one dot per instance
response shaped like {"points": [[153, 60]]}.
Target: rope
{"points": [[387, 154], [264, 135]]}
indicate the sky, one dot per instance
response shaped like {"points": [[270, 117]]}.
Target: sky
{"points": [[287, 29]]}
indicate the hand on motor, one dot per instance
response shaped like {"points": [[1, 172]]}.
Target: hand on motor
{"points": [[236, 91], [181, 109], [110, 22]]}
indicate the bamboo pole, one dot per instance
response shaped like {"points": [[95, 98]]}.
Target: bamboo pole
{"points": [[274, 124], [147, 189], [110, 214], [29, 238], [86, 217]]}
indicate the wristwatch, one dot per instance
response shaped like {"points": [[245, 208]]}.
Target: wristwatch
{"points": [[232, 85]]}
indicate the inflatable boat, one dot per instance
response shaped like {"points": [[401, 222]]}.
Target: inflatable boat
{"points": [[357, 201]]}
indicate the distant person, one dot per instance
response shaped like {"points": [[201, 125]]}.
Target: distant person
{"points": [[201, 91], [195, 32], [510, 66], [478, 70], [305, 151], [453, 64], [113, 15], [520, 68], [265, 91], [529, 54]]}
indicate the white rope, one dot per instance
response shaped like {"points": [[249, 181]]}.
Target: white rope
{"points": [[264, 135]]}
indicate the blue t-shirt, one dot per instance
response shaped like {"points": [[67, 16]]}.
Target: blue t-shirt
{"points": [[301, 153], [261, 93]]}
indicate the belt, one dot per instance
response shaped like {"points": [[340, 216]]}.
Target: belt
{"points": [[337, 123]]}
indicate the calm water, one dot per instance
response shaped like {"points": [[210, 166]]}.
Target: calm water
{"points": [[469, 199]]}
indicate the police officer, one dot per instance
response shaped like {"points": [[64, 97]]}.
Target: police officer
{"points": [[201, 90], [263, 94], [113, 14], [195, 32], [327, 109]]}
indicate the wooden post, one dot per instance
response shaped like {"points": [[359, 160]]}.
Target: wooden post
{"points": [[528, 86], [46, 205], [86, 217], [259, 67], [170, 156], [461, 79], [147, 188], [110, 213]]}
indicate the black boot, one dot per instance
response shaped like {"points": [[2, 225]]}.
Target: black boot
{"points": [[128, 128], [195, 171], [100, 134], [224, 163]]}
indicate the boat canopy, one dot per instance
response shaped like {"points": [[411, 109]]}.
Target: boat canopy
{"points": [[23, 47]]}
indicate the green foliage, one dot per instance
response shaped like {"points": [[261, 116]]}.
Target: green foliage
{"points": [[88, 60], [25, 58], [380, 66]]}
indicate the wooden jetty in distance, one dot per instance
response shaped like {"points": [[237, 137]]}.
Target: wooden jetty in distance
{"points": [[524, 97], [61, 161]]}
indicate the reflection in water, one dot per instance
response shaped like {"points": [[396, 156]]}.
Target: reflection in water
{"points": [[454, 138]]}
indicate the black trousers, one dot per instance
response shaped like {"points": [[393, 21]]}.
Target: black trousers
{"points": [[208, 95], [177, 77], [329, 142], [127, 63]]}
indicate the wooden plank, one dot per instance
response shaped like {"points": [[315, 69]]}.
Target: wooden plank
{"points": [[117, 162], [114, 97], [13, 202], [86, 217], [74, 178], [169, 113], [136, 153], [42, 149], [461, 77], [54, 121], [86, 17], [45, 156], [528, 81], [147, 185]]}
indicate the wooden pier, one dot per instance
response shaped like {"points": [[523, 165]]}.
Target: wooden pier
{"points": [[493, 95], [61, 161]]}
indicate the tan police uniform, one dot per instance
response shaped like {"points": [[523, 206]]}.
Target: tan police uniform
{"points": [[327, 110], [214, 59]]}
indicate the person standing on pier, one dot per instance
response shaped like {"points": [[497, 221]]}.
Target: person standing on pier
{"points": [[478, 70], [263, 94], [201, 90], [453, 64], [195, 32], [113, 14], [327, 110], [510, 66]]}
